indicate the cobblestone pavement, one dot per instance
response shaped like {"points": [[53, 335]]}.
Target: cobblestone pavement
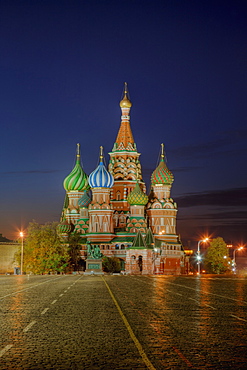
{"points": [[122, 322]]}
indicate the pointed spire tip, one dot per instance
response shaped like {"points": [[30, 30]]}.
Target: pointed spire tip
{"points": [[101, 154], [78, 151]]}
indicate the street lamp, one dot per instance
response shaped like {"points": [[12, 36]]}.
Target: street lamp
{"points": [[198, 254], [22, 236], [234, 255]]}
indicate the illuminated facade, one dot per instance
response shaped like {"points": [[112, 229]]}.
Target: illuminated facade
{"points": [[110, 208]]}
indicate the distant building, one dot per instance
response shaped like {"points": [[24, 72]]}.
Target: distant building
{"points": [[8, 264], [3, 239], [111, 210]]}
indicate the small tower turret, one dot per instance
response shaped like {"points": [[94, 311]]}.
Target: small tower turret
{"points": [[74, 184], [161, 210], [137, 200], [100, 210]]}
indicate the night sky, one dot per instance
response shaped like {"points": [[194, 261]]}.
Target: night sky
{"points": [[63, 65]]}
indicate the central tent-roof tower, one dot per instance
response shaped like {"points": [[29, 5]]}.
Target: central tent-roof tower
{"points": [[124, 164]]}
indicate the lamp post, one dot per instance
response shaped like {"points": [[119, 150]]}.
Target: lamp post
{"points": [[22, 236], [155, 256], [198, 254], [234, 255]]}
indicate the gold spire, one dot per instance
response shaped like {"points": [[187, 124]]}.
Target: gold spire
{"points": [[125, 139], [162, 152], [78, 152], [101, 154], [125, 102]]}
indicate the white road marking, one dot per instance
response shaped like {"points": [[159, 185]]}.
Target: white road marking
{"points": [[194, 300], [45, 310], [217, 295], [22, 290], [5, 349], [68, 287], [205, 304], [60, 295], [55, 300], [197, 290], [29, 326], [239, 318], [65, 291], [208, 305]]}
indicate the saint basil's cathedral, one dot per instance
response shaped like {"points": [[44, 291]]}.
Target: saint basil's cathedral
{"points": [[111, 211]]}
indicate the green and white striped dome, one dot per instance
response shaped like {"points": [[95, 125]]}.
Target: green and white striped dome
{"points": [[65, 227], [77, 180]]}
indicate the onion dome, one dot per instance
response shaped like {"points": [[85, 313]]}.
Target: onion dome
{"points": [[84, 201], [137, 197], [65, 227], [77, 180], [125, 102], [100, 177], [162, 175]]}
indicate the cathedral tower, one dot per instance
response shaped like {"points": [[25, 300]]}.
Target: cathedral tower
{"points": [[137, 201], [161, 209], [74, 184], [124, 165], [100, 210]]}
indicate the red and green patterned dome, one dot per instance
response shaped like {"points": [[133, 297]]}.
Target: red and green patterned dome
{"points": [[162, 175], [137, 197], [84, 201], [77, 180]]}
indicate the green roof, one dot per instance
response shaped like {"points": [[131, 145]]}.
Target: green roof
{"points": [[149, 239], [125, 239], [139, 242]]}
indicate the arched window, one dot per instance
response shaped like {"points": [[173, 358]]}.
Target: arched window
{"points": [[122, 246], [117, 246], [115, 219], [122, 218], [140, 262]]}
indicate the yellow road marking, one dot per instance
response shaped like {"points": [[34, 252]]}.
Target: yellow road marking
{"points": [[131, 333]]}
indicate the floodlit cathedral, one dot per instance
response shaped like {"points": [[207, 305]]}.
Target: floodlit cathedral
{"points": [[112, 212]]}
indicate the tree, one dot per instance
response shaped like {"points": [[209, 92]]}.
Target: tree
{"points": [[44, 252], [111, 264], [217, 257], [74, 250]]}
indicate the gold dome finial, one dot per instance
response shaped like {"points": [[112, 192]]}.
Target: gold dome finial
{"points": [[78, 152], [125, 102], [162, 152], [101, 154]]}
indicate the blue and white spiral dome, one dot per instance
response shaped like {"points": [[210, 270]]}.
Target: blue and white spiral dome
{"points": [[101, 178]]}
